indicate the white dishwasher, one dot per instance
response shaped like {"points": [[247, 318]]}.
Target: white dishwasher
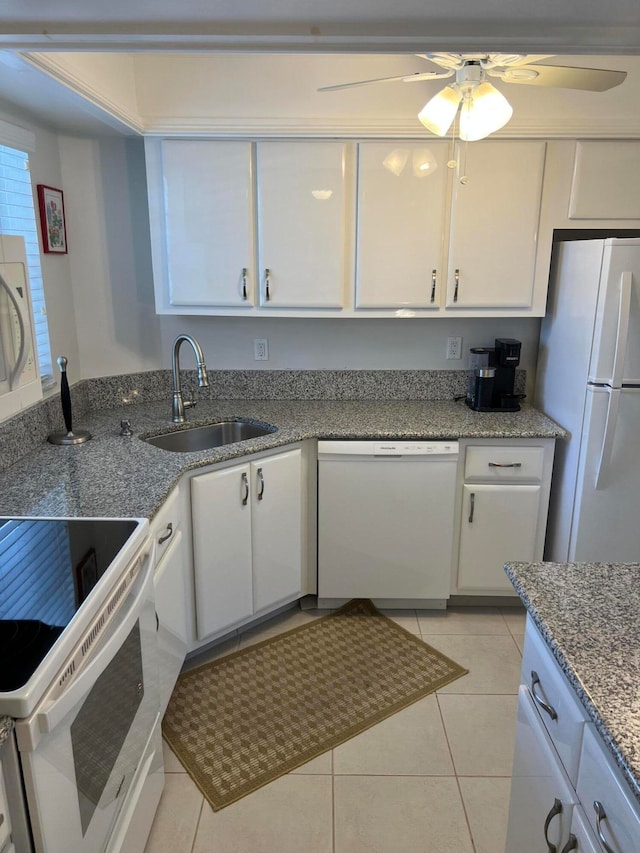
{"points": [[385, 521]]}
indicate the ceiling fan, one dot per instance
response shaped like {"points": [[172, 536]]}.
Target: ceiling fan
{"points": [[484, 109]]}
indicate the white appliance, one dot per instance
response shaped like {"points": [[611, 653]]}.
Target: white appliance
{"points": [[589, 382], [80, 679], [385, 521], [19, 380]]}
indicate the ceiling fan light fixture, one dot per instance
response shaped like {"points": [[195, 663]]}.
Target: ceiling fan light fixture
{"points": [[484, 111], [438, 114]]}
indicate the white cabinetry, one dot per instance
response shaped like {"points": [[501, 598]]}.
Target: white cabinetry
{"points": [[401, 215], [247, 540], [201, 206], [304, 226], [495, 212], [503, 504], [606, 180], [566, 789]]}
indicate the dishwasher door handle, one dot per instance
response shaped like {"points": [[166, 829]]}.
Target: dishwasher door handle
{"points": [[472, 506]]}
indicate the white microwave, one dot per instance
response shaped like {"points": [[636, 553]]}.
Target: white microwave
{"points": [[19, 377]]}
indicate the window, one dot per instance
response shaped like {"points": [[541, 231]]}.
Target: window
{"points": [[17, 216]]}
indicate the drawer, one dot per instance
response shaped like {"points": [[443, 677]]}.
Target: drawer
{"points": [[166, 524], [582, 839], [564, 717], [600, 781], [495, 464]]}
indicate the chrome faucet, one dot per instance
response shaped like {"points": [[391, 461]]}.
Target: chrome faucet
{"points": [[179, 405]]}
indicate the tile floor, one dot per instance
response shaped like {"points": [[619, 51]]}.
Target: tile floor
{"points": [[433, 778]]}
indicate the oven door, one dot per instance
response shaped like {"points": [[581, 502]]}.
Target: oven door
{"points": [[81, 746]]}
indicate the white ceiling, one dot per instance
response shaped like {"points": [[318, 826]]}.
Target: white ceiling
{"points": [[519, 26]]}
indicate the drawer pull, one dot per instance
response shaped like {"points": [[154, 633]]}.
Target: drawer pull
{"points": [[535, 679], [505, 464], [572, 844], [600, 816], [555, 810], [167, 535], [245, 482], [472, 506], [260, 484]]}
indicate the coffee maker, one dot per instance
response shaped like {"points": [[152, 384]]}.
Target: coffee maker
{"points": [[492, 377]]}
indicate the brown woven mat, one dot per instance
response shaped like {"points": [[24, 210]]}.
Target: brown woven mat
{"points": [[245, 719]]}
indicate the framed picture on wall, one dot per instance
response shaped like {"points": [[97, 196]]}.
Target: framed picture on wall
{"points": [[54, 231]]}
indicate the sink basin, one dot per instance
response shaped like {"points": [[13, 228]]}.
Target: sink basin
{"points": [[209, 436]]}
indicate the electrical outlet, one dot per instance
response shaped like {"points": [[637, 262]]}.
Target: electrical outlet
{"points": [[454, 347], [260, 349]]}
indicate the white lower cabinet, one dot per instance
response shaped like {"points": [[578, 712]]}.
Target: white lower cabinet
{"points": [[247, 540], [566, 790], [542, 798], [502, 511]]}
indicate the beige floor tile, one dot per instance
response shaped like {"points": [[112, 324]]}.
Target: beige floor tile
{"points": [[519, 641], [409, 743], [322, 765], [399, 814], [515, 617], [407, 619], [176, 821], [290, 815], [493, 662], [279, 624], [462, 620], [486, 802], [172, 763], [481, 733]]}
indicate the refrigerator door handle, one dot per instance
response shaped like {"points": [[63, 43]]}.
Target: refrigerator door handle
{"points": [[624, 311], [609, 435]]}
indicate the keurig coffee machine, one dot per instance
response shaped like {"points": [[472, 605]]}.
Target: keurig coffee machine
{"points": [[492, 377]]}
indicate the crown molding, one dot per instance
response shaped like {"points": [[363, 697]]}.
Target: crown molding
{"points": [[104, 106]]}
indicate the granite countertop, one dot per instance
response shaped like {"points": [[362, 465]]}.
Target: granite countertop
{"points": [[589, 616], [115, 476]]}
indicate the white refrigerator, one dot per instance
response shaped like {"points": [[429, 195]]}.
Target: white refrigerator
{"points": [[588, 380]]}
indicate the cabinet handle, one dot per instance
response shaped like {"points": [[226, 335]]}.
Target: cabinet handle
{"points": [[505, 464], [600, 816], [535, 679], [260, 484], [455, 289], [244, 282], [572, 844], [472, 506], [555, 809], [267, 285], [167, 535], [433, 285], [245, 483]]}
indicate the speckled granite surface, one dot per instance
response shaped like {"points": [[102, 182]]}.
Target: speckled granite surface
{"points": [[589, 616], [115, 476], [6, 727]]}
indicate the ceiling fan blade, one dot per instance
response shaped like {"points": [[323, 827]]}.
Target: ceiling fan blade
{"points": [[405, 78], [564, 77]]}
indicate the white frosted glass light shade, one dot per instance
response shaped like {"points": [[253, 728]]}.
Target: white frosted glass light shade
{"points": [[438, 113], [484, 111]]}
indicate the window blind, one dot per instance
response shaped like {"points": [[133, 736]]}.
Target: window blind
{"points": [[17, 217]]}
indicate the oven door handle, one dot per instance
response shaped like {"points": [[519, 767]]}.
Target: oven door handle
{"points": [[50, 713]]}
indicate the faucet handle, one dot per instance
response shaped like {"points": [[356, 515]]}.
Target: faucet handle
{"points": [[125, 428]]}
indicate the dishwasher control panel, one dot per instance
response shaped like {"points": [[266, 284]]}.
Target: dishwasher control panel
{"points": [[393, 447]]}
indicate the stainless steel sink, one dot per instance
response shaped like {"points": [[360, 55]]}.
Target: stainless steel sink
{"points": [[209, 436]]}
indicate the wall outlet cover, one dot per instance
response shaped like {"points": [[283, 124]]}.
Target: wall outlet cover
{"points": [[454, 347], [260, 349]]}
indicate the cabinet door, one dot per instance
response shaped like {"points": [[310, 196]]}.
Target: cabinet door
{"points": [[171, 608], [221, 513], [542, 799], [499, 524], [401, 206], [208, 208], [494, 225], [303, 221], [277, 529]]}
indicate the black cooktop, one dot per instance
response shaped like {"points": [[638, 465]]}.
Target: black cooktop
{"points": [[47, 569]]}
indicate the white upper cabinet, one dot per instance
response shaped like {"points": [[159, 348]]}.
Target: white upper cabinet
{"points": [[606, 180], [304, 224], [206, 203], [402, 191], [495, 210]]}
